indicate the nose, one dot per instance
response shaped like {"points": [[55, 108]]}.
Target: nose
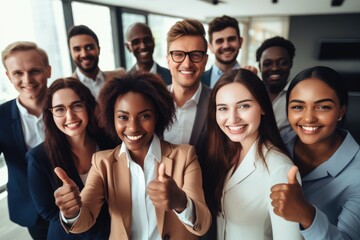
{"points": [[309, 116], [26, 78], [187, 61], [69, 113], [234, 116], [133, 125], [226, 44], [83, 52]]}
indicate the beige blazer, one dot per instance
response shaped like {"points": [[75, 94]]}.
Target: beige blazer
{"points": [[109, 180], [117, 73]]}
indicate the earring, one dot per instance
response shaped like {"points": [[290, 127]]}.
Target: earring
{"points": [[339, 119]]}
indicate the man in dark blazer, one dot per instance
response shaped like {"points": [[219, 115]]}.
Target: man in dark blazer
{"points": [[140, 42], [225, 43], [21, 128]]}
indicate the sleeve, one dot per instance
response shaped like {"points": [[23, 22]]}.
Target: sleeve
{"points": [[348, 226], [279, 166], [92, 197], [193, 188], [40, 187]]}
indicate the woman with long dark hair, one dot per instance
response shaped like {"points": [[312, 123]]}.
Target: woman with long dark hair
{"points": [[246, 156], [327, 206], [72, 136]]}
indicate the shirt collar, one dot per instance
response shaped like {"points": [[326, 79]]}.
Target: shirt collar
{"points": [[100, 77], [219, 72], [152, 69], [195, 97], [154, 151], [24, 112]]}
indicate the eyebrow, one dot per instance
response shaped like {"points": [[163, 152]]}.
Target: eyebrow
{"points": [[318, 101], [62, 105], [242, 101], [143, 111]]}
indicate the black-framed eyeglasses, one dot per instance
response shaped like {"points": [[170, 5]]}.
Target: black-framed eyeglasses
{"points": [[195, 56], [137, 41], [60, 111]]}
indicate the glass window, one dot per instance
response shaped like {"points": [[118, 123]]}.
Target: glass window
{"points": [[41, 22], [127, 20], [98, 19], [160, 25]]}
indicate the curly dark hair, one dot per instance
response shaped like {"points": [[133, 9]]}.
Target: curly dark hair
{"points": [[277, 42], [148, 84]]}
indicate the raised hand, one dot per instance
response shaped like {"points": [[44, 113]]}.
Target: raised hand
{"points": [[289, 202], [165, 194], [67, 197]]}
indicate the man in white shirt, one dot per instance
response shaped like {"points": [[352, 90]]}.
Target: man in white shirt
{"points": [[140, 42], [225, 42], [275, 57], [85, 50], [21, 128]]}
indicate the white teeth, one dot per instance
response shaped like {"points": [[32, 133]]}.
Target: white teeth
{"points": [[144, 53], [134, 138], [309, 128], [235, 128], [71, 125], [186, 72]]}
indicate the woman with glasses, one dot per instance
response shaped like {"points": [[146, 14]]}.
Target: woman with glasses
{"points": [[153, 188], [246, 157], [72, 136], [327, 205]]}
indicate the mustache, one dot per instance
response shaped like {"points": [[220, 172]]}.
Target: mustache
{"points": [[228, 49]]}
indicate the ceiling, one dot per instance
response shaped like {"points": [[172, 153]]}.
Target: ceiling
{"points": [[205, 11]]}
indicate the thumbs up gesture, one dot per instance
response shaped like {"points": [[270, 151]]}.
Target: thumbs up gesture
{"points": [[289, 202], [164, 192], [67, 197]]}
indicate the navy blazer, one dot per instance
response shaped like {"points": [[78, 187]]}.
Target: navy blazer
{"points": [[42, 185], [206, 77], [21, 207], [163, 72]]}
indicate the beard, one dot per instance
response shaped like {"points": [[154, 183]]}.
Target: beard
{"points": [[90, 69], [226, 62]]}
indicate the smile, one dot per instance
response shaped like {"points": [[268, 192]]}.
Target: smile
{"points": [[236, 128], [134, 138], [309, 128], [73, 124]]}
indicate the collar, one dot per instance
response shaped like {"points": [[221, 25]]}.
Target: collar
{"points": [[100, 77], [195, 97], [219, 72], [152, 69], [154, 151], [23, 111]]}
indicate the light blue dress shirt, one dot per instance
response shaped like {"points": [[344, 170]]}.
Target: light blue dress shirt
{"points": [[216, 73], [334, 190]]}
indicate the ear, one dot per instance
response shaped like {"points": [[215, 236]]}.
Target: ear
{"points": [[240, 42], [48, 71], [210, 46], [128, 47], [342, 111]]}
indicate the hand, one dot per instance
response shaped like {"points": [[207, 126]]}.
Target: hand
{"points": [[289, 202], [165, 194], [67, 197]]}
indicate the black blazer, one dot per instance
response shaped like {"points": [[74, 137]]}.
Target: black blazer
{"points": [[21, 207], [163, 72], [206, 76]]}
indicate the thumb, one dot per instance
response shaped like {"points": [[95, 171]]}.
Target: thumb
{"points": [[292, 175], [162, 175], [63, 176]]}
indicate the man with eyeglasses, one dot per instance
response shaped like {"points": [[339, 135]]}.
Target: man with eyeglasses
{"points": [[85, 50], [22, 128], [187, 57], [140, 42], [275, 57]]}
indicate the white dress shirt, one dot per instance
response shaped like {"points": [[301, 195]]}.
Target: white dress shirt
{"points": [[94, 85], [180, 131], [32, 126]]}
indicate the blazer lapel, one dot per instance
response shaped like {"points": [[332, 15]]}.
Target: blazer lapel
{"points": [[245, 169], [121, 174], [17, 128], [199, 123], [167, 160]]}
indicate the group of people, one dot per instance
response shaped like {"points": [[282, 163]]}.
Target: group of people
{"points": [[179, 153]]}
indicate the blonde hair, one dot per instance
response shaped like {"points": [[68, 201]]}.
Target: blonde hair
{"points": [[23, 46], [186, 27]]}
